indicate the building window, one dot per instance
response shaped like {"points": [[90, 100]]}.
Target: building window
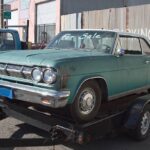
{"points": [[8, 1], [45, 33], [24, 4]]}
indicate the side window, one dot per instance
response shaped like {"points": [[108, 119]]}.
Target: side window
{"points": [[6, 41], [145, 46], [131, 45]]}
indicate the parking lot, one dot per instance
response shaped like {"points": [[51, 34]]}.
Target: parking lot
{"points": [[13, 128]]}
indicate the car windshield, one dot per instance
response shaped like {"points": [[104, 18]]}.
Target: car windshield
{"points": [[102, 41]]}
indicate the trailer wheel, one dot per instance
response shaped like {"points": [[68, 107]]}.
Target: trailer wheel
{"points": [[142, 130], [2, 115], [87, 102]]}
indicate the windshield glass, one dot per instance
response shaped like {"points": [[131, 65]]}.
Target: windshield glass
{"points": [[102, 41]]}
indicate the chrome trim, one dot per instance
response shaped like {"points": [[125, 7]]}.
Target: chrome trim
{"points": [[15, 70], [115, 44], [145, 123], [84, 80], [35, 94], [5, 68], [33, 89], [28, 71], [128, 93]]}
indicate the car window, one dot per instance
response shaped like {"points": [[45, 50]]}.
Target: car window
{"points": [[145, 46], [102, 41], [131, 45], [6, 41]]}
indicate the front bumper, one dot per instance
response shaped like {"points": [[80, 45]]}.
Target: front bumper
{"points": [[37, 95]]}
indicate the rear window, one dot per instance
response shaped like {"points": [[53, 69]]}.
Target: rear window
{"points": [[6, 41]]}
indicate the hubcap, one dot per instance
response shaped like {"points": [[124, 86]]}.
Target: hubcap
{"points": [[145, 124], [87, 101]]}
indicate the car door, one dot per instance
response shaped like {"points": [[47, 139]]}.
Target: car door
{"points": [[146, 49], [133, 63]]}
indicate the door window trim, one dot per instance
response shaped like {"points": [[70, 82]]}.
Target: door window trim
{"points": [[145, 42], [131, 36]]}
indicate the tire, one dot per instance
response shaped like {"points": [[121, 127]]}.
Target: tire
{"points": [[2, 115], [87, 102], [141, 132]]}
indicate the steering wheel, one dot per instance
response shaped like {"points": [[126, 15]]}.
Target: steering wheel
{"points": [[106, 48]]}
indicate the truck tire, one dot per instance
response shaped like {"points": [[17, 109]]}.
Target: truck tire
{"points": [[142, 129], [87, 102]]}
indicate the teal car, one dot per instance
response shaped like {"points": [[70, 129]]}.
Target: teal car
{"points": [[79, 70]]}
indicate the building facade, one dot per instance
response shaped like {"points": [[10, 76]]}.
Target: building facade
{"points": [[48, 17], [43, 16], [125, 15]]}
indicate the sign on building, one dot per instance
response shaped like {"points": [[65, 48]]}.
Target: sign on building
{"points": [[7, 14], [7, 11], [7, 7]]}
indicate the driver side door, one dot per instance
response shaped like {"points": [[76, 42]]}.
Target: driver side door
{"points": [[133, 64]]}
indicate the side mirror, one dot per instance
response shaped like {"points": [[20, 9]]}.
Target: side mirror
{"points": [[120, 52]]}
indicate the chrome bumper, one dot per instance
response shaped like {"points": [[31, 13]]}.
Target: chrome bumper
{"points": [[51, 98]]}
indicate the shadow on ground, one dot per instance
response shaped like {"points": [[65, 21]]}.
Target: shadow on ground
{"points": [[120, 142]]}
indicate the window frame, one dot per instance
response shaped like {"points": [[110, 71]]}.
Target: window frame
{"points": [[145, 42], [131, 36]]}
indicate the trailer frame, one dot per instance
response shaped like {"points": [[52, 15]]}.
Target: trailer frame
{"points": [[62, 130]]}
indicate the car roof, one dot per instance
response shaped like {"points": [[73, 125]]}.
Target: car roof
{"points": [[106, 30], [7, 30]]}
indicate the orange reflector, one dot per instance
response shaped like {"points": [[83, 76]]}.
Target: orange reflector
{"points": [[46, 101]]}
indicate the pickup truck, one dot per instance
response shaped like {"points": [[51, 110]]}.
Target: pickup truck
{"points": [[10, 40]]}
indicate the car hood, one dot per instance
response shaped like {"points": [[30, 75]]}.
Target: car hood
{"points": [[40, 57]]}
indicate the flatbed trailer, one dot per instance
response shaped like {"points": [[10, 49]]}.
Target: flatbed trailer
{"points": [[125, 113]]}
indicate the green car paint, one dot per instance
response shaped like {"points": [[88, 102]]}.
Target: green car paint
{"points": [[121, 74]]}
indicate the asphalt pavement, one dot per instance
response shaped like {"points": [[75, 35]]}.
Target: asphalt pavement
{"points": [[12, 128]]}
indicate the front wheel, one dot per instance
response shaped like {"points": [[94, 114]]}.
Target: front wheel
{"points": [[87, 102]]}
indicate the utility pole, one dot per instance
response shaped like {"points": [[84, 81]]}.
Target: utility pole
{"points": [[1, 13]]}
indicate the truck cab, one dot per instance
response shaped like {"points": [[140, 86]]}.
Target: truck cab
{"points": [[10, 40]]}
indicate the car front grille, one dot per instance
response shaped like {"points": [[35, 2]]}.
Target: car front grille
{"points": [[15, 70]]}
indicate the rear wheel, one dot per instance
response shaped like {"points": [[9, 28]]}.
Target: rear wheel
{"points": [[87, 102], [143, 127]]}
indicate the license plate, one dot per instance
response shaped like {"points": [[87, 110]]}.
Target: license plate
{"points": [[6, 92]]}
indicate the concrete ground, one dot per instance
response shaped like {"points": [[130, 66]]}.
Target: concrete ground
{"points": [[10, 127]]}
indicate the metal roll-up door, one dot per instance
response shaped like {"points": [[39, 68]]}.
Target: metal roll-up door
{"points": [[46, 21]]}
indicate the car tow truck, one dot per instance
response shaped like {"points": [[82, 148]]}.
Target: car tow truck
{"points": [[131, 113]]}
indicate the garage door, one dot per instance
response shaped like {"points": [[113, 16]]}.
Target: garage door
{"points": [[46, 21]]}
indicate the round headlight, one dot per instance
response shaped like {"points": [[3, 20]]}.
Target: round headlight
{"points": [[37, 74], [49, 76]]}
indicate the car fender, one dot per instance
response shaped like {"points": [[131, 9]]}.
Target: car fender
{"points": [[83, 80]]}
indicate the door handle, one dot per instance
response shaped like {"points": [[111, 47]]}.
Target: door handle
{"points": [[147, 61]]}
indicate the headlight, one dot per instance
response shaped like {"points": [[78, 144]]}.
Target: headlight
{"points": [[49, 76], [37, 74]]}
